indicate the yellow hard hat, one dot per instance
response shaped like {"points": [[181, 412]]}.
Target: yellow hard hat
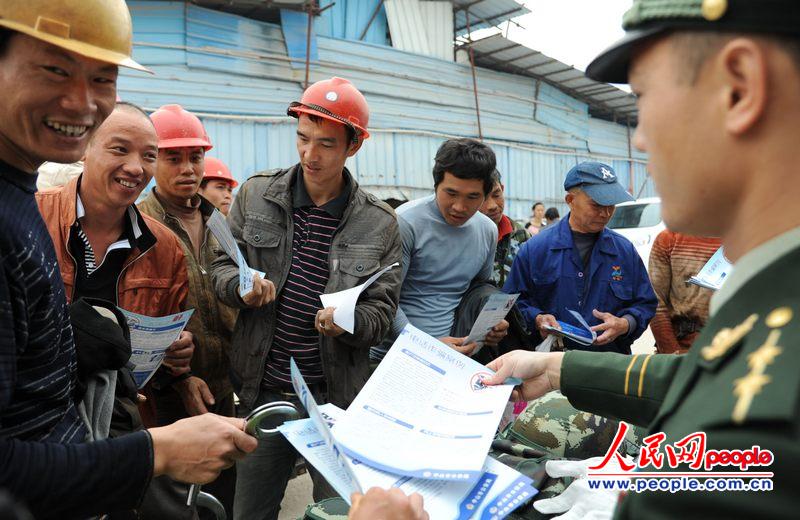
{"points": [[97, 29]]}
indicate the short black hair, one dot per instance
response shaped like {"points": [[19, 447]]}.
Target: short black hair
{"points": [[537, 204], [551, 214], [204, 183], [351, 132], [466, 159], [496, 179]]}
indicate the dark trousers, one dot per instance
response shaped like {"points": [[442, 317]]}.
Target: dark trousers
{"points": [[170, 409], [261, 477]]}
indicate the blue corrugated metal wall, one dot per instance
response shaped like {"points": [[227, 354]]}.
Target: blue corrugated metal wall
{"points": [[235, 74], [348, 20]]}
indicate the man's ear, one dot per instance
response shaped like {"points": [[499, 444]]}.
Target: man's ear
{"points": [[744, 66], [354, 147], [502, 187], [569, 198]]}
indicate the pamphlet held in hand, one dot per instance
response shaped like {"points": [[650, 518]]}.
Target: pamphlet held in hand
{"points": [[583, 335], [714, 273]]}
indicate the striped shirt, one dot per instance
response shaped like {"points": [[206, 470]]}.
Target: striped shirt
{"points": [[37, 356], [682, 307], [298, 302]]}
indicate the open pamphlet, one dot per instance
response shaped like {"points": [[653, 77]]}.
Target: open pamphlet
{"points": [[499, 490], [345, 301], [425, 412], [150, 339], [714, 273], [494, 311], [219, 228], [583, 335]]}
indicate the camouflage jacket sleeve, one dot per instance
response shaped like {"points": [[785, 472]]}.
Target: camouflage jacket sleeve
{"points": [[624, 387]]}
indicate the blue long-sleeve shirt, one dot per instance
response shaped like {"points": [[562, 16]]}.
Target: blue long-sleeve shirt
{"points": [[551, 279], [44, 462], [439, 263]]}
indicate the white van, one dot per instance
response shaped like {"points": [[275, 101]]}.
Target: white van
{"points": [[640, 222]]}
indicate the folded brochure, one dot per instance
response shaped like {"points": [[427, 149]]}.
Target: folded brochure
{"points": [[583, 335], [498, 492], [714, 273]]}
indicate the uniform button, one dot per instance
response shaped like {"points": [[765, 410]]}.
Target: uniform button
{"points": [[359, 268], [580, 302], [257, 238], [580, 275]]}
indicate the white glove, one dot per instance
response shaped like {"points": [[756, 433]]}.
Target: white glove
{"points": [[578, 501]]}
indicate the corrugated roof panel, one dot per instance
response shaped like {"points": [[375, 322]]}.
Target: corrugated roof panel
{"points": [[499, 53], [438, 20], [406, 26], [485, 13]]}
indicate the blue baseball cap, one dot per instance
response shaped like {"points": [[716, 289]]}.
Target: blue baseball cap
{"points": [[599, 182]]}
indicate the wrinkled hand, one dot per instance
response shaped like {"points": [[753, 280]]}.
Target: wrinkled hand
{"points": [[458, 345], [546, 320], [179, 354], [325, 325], [497, 334], [263, 292], [612, 327], [579, 501], [382, 504], [540, 372], [196, 449], [195, 395]]}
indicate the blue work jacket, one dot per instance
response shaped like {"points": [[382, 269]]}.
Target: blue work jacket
{"points": [[550, 277]]}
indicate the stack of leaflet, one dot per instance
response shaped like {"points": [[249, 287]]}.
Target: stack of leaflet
{"points": [[423, 423], [583, 335], [714, 273]]}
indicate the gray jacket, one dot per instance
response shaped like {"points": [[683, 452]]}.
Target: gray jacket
{"points": [[366, 240]]}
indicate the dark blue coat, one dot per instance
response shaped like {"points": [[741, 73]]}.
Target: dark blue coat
{"points": [[550, 277]]}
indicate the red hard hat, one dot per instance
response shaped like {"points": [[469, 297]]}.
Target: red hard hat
{"points": [[335, 99], [216, 169], [178, 128]]}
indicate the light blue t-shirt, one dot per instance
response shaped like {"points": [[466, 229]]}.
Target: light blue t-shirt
{"points": [[439, 263]]}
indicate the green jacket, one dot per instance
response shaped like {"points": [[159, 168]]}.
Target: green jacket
{"points": [[212, 321], [366, 240], [740, 383]]}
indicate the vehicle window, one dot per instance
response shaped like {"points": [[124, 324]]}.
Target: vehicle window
{"points": [[636, 216]]}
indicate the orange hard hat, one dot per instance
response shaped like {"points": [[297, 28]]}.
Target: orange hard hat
{"points": [[216, 170], [179, 128], [335, 99]]}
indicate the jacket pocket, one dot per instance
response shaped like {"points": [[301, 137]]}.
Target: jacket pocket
{"points": [[358, 266], [145, 295], [618, 297], [544, 292], [262, 234], [266, 247]]}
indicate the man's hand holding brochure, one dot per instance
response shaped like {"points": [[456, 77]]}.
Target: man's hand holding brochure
{"points": [[428, 404]]}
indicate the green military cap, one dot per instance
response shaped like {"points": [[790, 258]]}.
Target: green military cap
{"points": [[648, 18]]}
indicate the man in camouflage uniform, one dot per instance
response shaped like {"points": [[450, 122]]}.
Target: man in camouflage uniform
{"points": [[550, 429], [510, 235], [718, 87]]}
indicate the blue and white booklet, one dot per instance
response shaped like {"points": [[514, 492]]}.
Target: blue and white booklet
{"points": [[498, 492], [150, 339], [583, 335], [424, 413], [714, 273], [342, 474], [219, 228]]}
